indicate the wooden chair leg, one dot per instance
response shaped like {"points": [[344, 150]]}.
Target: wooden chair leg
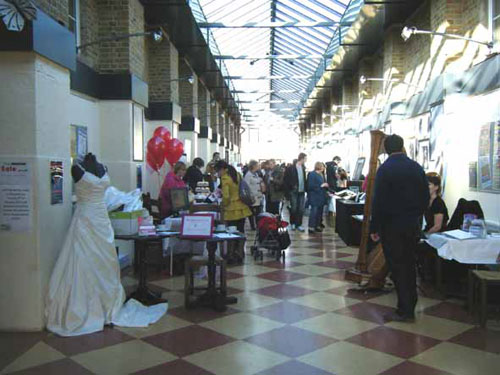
{"points": [[484, 303]]}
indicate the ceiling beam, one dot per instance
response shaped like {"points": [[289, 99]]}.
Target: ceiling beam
{"points": [[274, 57], [270, 25], [267, 77]]}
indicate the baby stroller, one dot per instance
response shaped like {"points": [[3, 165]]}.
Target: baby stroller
{"points": [[271, 235]]}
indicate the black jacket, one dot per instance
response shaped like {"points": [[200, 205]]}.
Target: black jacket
{"points": [[291, 178], [192, 177], [401, 194], [331, 176]]}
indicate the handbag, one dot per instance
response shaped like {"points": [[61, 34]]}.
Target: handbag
{"points": [[245, 193]]}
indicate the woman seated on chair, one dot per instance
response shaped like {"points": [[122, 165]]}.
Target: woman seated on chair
{"points": [[173, 180], [436, 220]]}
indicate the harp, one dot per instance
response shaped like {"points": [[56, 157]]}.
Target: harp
{"points": [[370, 269]]}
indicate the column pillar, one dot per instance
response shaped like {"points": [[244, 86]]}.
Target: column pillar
{"points": [[214, 123], [205, 136], [190, 123], [222, 133]]}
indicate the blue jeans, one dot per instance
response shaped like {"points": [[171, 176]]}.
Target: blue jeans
{"points": [[297, 207], [315, 216]]}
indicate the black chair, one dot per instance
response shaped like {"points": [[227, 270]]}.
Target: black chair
{"points": [[464, 207]]}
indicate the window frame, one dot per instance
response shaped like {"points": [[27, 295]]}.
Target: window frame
{"points": [[493, 16]]}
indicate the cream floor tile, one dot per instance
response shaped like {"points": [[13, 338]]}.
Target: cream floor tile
{"points": [[307, 259], [343, 358], [438, 328], [173, 283], [460, 360], [39, 354], [249, 283], [352, 258], [237, 358], [317, 283], [324, 301], [305, 251], [250, 269], [391, 299], [165, 324], [349, 250], [123, 358], [252, 301], [338, 326], [242, 325], [312, 270]]}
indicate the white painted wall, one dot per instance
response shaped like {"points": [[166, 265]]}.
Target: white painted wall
{"points": [[204, 149], [34, 127], [84, 111], [190, 140]]}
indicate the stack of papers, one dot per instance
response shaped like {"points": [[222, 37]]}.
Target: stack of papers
{"points": [[459, 234]]}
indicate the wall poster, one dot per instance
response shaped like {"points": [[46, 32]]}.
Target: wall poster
{"points": [[78, 142], [16, 208], [56, 182], [484, 160]]}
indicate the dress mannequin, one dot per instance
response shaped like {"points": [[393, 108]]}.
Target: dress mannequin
{"points": [[91, 165]]}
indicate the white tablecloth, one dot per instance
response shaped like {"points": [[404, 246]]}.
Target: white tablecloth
{"points": [[473, 251]]}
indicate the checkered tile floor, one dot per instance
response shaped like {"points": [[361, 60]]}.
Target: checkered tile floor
{"points": [[296, 318]]}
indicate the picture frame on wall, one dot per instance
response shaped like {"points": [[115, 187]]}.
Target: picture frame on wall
{"points": [[423, 153], [138, 133]]}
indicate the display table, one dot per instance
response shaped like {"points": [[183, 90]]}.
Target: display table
{"points": [[142, 293], [472, 252], [344, 222], [212, 297]]}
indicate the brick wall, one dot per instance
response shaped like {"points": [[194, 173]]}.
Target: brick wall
{"points": [[203, 105], [57, 9], [162, 69], [137, 50], [89, 31], [214, 114], [188, 92]]}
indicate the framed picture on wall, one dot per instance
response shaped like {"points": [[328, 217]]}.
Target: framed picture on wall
{"points": [[423, 153], [78, 142], [138, 132]]}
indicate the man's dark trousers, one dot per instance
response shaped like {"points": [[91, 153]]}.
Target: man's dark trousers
{"points": [[399, 243]]}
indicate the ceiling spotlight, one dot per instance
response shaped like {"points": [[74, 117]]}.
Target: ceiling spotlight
{"points": [[213, 102], [362, 80], [408, 32], [190, 79]]}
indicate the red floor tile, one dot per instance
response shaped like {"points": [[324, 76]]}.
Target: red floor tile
{"points": [[330, 254], [294, 368], [233, 275], [185, 341], [395, 342], [367, 311], [291, 341], [410, 368], [338, 275], [452, 311], [12, 345], [199, 314], [287, 312], [63, 367], [288, 263], [81, 344], [177, 367], [282, 276], [284, 291], [479, 338]]}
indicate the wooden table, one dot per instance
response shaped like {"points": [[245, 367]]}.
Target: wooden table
{"points": [[212, 297], [143, 294]]}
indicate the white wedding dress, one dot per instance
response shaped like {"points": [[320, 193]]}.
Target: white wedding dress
{"points": [[85, 291]]}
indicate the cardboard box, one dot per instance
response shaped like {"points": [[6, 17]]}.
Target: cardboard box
{"points": [[125, 223]]}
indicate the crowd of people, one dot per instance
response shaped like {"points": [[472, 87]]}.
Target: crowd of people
{"points": [[403, 194]]}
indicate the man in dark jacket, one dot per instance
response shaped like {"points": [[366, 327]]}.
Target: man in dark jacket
{"points": [[295, 186], [400, 199], [194, 174], [332, 175]]}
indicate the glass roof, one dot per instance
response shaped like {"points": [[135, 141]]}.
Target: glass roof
{"points": [[272, 94]]}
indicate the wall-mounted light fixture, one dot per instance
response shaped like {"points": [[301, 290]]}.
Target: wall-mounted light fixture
{"points": [[408, 31], [190, 79], [363, 80], [156, 35]]}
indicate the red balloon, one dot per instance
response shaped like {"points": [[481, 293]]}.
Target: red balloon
{"points": [[156, 151], [150, 160], [175, 149], [163, 133]]}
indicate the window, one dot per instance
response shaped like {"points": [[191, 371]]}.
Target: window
{"points": [[494, 9], [74, 19]]}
